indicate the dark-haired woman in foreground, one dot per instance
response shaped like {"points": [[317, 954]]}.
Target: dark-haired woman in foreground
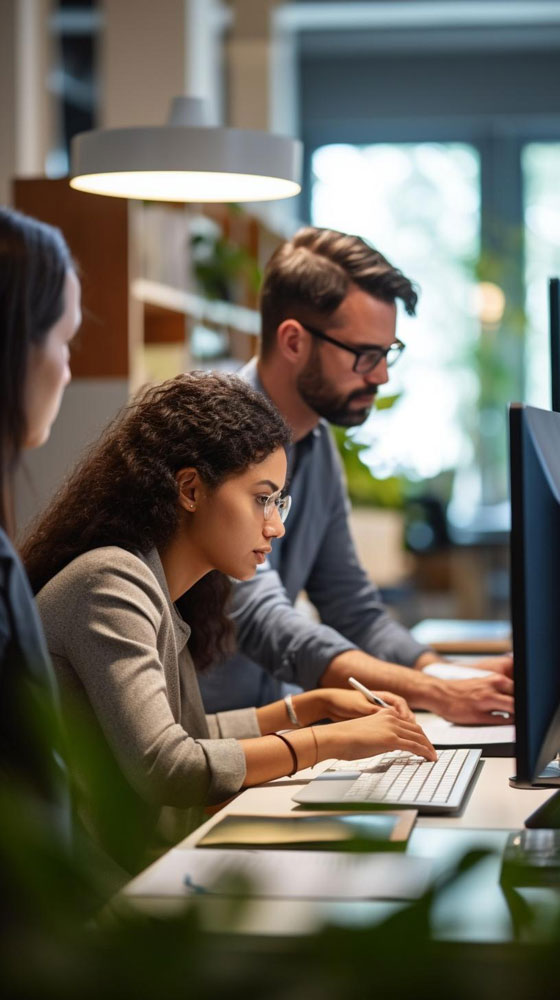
{"points": [[189, 480], [39, 315]]}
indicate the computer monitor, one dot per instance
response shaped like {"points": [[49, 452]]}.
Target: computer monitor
{"points": [[535, 591], [554, 330]]}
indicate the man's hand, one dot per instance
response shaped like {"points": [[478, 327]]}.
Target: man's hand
{"points": [[471, 702], [498, 664]]}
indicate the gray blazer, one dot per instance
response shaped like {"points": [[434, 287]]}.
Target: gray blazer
{"points": [[119, 649]]}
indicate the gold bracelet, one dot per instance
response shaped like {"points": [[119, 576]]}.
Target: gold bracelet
{"points": [[316, 746]]}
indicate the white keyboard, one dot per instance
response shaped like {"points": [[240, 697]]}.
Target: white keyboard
{"points": [[396, 778], [390, 778]]}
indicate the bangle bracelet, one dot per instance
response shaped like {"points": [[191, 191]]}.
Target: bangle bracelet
{"points": [[291, 711], [316, 747], [292, 753]]}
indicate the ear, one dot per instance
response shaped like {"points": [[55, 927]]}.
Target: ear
{"points": [[293, 342], [190, 488]]}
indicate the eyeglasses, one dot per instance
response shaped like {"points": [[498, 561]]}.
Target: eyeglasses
{"points": [[276, 500], [366, 360]]}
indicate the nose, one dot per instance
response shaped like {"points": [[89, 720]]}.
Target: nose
{"points": [[274, 527], [378, 375]]}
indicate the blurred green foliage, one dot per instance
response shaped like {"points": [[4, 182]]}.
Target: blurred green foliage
{"points": [[65, 936], [393, 492], [201, 952], [497, 356], [363, 488], [221, 267]]}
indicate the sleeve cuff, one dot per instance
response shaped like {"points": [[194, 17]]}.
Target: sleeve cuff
{"points": [[312, 660], [395, 645], [237, 724], [240, 723], [226, 763]]}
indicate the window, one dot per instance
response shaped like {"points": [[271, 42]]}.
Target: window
{"points": [[419, 203], [541, 169]]}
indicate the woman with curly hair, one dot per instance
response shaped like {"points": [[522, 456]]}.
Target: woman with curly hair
{"points": [[182, 492]]}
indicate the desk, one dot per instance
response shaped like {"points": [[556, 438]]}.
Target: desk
{"points": [[492, 804], [473, 910]]}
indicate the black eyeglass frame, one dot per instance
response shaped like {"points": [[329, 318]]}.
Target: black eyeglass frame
{"points": [[377, 352]]}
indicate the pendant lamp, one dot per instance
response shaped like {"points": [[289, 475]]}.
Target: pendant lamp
{"points": [[186, 160]]}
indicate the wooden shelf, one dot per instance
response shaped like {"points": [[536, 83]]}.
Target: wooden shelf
{"points": [[224, 314]]}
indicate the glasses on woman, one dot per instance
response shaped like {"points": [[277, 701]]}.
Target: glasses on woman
{"points": [[282, 503], [366, 360]]}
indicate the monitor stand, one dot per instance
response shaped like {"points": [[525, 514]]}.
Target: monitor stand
{"points": [[548, 778]]}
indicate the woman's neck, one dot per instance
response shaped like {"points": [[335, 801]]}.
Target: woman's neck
{"points": [[183, 566]]}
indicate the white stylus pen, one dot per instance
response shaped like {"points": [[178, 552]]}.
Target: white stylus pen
{"points": [[374, 698]]}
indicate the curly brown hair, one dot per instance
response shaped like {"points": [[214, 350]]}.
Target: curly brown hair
{"points": [[124, 491]]}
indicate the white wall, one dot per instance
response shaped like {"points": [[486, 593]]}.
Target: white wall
{"points": [[26, 106]]}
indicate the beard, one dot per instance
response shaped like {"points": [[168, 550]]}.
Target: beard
{"points": [[326, 402]]}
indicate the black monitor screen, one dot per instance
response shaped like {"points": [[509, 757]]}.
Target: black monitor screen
{"points": [[535, 586], [554, 317]]}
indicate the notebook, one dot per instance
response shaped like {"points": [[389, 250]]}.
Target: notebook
{"points": [[368, 832]]}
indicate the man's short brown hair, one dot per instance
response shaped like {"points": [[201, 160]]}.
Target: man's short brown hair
{"points": [[308, 277]]}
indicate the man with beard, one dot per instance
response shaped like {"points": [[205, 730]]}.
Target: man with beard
{"points": [[328, 308]]}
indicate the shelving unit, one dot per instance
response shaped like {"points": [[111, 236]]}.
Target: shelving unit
{"points": [[139, 289], [140, 306]]}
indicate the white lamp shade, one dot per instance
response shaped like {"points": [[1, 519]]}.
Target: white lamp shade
{"points": [[182, 162]]}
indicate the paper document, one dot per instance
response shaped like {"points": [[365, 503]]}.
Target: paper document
{"points": [[449, 629], [453, 671], [284, 875], [450, 635], [444, 733]]}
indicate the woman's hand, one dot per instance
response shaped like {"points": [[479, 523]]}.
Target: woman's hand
{"points": [[341, 704], [337, 704], [398, 704], [374, 734], [378, 732]]}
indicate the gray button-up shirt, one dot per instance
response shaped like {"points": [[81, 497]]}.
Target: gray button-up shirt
{"points": [[278, 643]]}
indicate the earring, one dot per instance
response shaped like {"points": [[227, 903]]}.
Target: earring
{"points": [[192, 506]]}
